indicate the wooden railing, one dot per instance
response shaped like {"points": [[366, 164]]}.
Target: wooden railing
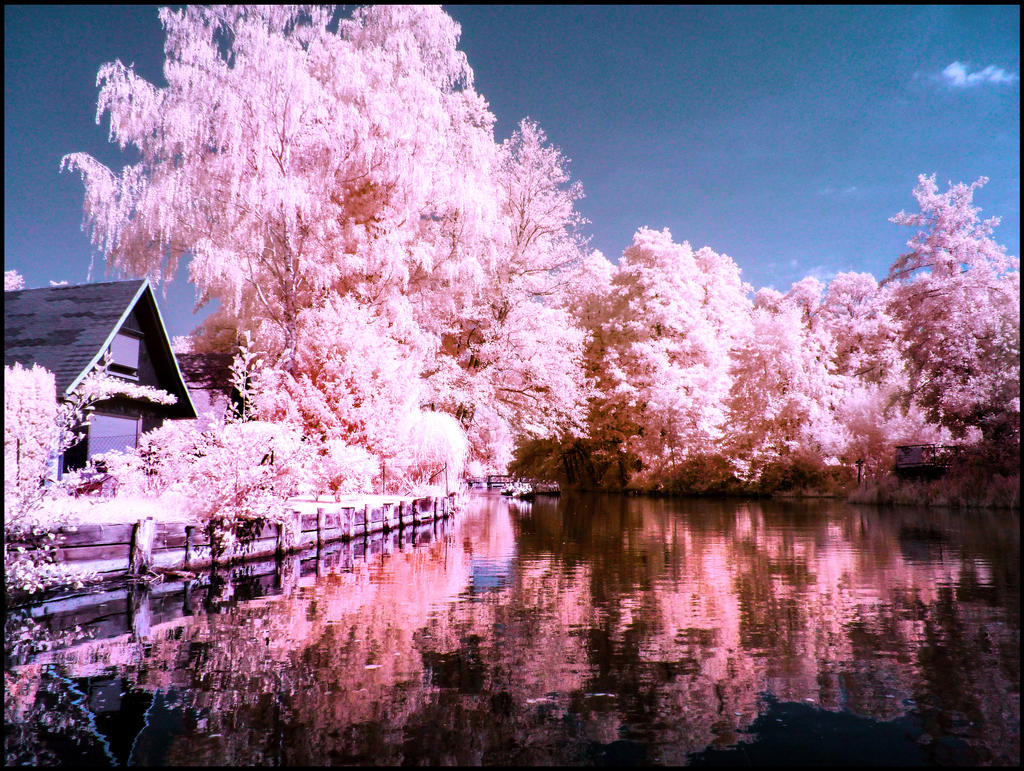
{"points": [[925, 461], [925, 455]]}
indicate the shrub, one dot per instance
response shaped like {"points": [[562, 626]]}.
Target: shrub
{"points": [[806, 472], [703, 474], [235, 470], [30, 438], [343, 468]]}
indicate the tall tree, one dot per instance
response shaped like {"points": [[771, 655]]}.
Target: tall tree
{"points": [[672, 319], [784, 393], [332, 187], [289, 160], [513, 352], [871, 373], [956, 295]]}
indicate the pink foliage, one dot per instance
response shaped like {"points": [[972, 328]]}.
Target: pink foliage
{"points": [[337, 189], [418, 294], [13, 281], [343, 468], [293, 162], [784, 390], [232, 472], [672, 316], [30, 436], [855, 310], [956, 295]]}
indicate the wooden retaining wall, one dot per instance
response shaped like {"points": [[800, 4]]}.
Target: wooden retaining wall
{"points": [[151, 545]]}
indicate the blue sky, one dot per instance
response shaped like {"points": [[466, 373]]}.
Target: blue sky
{"points": [[784, 137]]}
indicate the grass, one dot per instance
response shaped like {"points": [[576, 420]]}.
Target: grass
{"points": [[965, 491]]}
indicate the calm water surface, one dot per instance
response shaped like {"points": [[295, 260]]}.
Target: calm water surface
{"points": [[580, 630]]}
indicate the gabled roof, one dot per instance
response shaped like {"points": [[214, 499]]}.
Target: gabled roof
{"points": [[66, 329]]}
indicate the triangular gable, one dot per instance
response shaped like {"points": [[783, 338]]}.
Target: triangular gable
{"points": [[62, 328]]}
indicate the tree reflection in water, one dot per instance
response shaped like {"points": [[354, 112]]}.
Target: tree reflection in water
{"points": [[586, 630]]}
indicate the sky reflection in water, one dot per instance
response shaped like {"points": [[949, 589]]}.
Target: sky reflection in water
{"points": [[593, 629]]}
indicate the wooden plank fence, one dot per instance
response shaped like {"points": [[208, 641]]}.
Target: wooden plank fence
{"points": [[147, 545], [139, 608]]}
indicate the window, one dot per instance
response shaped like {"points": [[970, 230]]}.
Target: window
{"points": [[124, 355], [111, 432]]}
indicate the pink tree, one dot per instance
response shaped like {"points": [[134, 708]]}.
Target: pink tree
{"points": [[310, 173], [291, 161], [512, 353], [855, 311], [784, 393], [956, 296], [873, 409], [672, 318], [355, 381]]}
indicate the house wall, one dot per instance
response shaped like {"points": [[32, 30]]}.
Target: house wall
{"points": [[152, 415]]}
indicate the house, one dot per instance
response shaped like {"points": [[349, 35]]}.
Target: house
{"points": [[69, 329]]}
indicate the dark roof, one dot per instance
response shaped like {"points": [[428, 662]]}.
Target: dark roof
{"points": [[66, 328], [62, 328]]}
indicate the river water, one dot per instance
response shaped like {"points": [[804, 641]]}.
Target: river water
{"points": [[586, 630]]}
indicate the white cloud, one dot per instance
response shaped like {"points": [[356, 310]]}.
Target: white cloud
{"points": [[839, 191], [957, 76]]}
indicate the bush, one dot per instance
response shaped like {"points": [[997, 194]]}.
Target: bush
{"points": [[30, 438], [237, 470], [342, 468], [804, 472], [703, 474]]}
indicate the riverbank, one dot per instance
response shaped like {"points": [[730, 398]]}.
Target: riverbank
{"points": [[118, 540], [995, 492]]}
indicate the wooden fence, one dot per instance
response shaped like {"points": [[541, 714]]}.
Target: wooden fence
{"points": [[152, 545]]}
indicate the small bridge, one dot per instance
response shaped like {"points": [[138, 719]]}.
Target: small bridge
{"points": [[489, 481], [540, 486]]}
